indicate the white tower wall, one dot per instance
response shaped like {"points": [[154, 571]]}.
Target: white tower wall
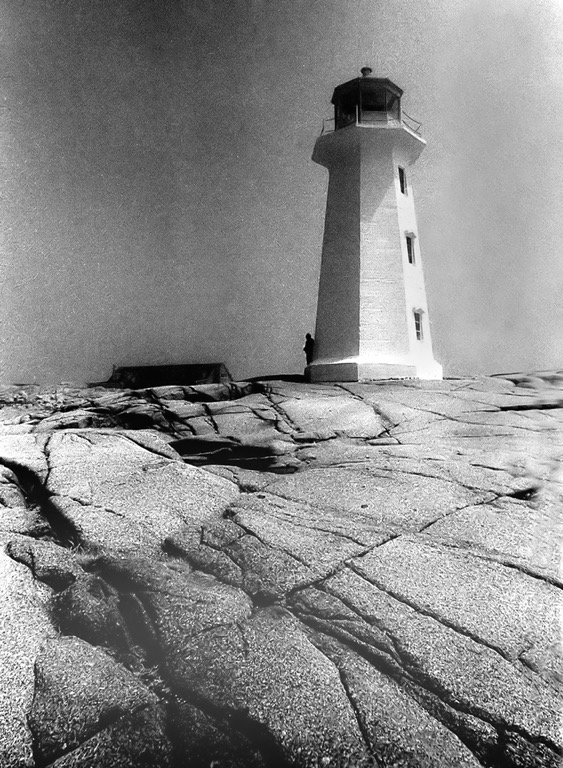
{"points": [[368, 290], [384, 338], [420, 351], [337, 329]]}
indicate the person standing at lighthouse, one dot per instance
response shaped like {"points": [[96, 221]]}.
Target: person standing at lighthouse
{"points": [[372, 313]]}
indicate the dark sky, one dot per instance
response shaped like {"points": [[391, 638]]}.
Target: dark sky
{"points": [[160, 203]]}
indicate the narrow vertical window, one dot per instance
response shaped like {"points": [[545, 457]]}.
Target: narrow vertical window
{"points": [[418, 325], [410, 248], [403, 180]]}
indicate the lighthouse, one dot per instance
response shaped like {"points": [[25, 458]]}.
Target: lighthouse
{"points": [[372, 314]]}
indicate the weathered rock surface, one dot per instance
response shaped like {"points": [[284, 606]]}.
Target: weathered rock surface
{"points": [[282, 574]]}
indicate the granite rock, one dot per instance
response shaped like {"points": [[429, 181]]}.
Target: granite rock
{"points": [[282, 574]]}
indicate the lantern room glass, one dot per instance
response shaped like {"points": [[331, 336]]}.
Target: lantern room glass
{"points": [[379, 105], [366, 104], [346, 112]]}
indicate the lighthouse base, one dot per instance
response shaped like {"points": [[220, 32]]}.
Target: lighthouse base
{"points": [[359, 370]]}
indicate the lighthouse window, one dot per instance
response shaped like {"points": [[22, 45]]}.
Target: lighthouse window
{"points": [[346, 113], [392, 104], [418, 325], [410, 248], [403, 180], [375, 101]]}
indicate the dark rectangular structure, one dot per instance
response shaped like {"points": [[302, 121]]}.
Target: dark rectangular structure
{"points": [[141, 376]]}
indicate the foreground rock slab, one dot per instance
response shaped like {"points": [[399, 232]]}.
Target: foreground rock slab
{"points": [[282, 574]]}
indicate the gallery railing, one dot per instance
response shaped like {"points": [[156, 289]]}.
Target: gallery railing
{"points": [[408, 121]]}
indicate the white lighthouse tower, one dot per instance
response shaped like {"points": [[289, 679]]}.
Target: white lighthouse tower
{"points": [[372, 316]]}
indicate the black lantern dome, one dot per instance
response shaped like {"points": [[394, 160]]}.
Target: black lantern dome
{"points": [[367, 100]]}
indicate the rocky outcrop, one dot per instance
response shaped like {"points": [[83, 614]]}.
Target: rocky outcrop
{"points": [[282, 574]]}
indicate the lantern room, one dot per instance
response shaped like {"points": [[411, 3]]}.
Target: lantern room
{"points": [[367, 100]]}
